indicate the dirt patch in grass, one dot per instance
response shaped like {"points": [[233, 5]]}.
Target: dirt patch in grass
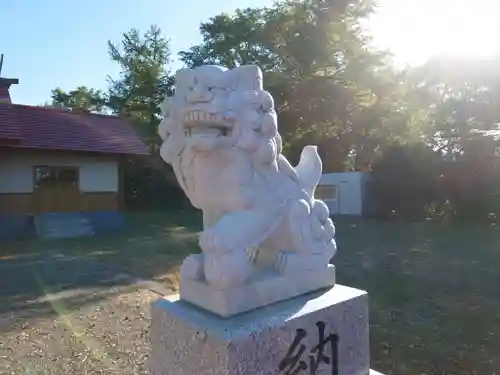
{"points": [[57, 317], [110, 336]]}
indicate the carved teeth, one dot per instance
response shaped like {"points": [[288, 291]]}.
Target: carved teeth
{"points": [[206, 131], [204, 124], [197, 115]]}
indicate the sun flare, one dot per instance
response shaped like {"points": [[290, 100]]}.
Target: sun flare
{"points": [[416, 30]]}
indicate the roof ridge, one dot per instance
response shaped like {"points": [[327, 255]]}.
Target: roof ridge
{"points": [[62, 110]]}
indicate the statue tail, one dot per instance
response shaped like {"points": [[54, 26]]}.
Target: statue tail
{"points": [[313, 233], [309, 169]]}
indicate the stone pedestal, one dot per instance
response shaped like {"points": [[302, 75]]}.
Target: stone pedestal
{"points": [[325, 330]]}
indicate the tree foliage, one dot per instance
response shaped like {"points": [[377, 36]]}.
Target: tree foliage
{"points": [[327, 81], [429, 134], [144, 80], [81, 99]]}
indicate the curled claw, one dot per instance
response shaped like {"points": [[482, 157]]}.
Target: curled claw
{"points": [[320, 209], [316, 229], [328, 230]]}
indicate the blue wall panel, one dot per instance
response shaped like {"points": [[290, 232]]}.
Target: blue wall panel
{"points": [[106, 221]]}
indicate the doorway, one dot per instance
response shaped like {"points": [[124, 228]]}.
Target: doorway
{"points": [[57, 189]]}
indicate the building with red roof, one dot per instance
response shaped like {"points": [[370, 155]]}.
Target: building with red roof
{"points": [[58, 161]]}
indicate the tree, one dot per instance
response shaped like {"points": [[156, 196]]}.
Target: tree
{"points": [[233, 40], [462, 98], [405, 181], [143, 83], [327, 82], [456, 104], [81, 99], [144, 80], [136, 94], [436, 123]]}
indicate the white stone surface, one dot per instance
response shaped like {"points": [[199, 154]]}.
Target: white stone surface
{"points": [[189, 341], [259, 212]]}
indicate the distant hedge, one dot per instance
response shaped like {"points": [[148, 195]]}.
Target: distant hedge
{"points": [[415, 182]]}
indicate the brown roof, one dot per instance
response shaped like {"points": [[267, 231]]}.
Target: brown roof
{"points": [[57, 129]]}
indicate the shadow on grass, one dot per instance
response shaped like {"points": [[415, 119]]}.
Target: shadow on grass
{"points": [[151, 247]]}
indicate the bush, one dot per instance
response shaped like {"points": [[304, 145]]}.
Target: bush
{"points": [[152, 187], [405, 181], [414, 182]]}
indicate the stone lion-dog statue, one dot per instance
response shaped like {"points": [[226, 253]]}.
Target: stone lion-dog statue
{"points": [[263, 230]]}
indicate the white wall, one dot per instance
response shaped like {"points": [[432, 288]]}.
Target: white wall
{"points": [[16, 171], [350, 191]]}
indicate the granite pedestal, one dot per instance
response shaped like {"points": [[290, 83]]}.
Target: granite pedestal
{"points": [[326, 331]]}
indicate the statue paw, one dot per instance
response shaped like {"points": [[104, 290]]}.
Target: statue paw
{"points": [[329, 230], [227, 270], [192, 267]]}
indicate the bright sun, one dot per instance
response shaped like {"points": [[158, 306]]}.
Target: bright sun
{"points": [[416, 30]]}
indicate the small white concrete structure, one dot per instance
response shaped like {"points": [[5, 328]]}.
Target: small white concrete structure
{"points": [[344, 193]]}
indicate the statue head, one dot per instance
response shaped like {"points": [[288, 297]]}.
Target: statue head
{"points": [[215, 108]]}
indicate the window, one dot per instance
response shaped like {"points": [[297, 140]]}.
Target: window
{"points": [[52, 176], [67, 175], [45, 176], [326, 192]]}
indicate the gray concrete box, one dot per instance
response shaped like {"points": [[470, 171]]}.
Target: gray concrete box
{"points": [[189, 341]]}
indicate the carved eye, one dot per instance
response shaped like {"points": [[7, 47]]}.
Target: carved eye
{"points": [[210, 89], [190, 88]]}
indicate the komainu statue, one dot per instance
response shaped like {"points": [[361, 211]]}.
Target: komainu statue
{"points": [[265, 237]]}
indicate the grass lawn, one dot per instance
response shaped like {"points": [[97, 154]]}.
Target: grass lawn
{"points": [[434, 297], [434, 294]]}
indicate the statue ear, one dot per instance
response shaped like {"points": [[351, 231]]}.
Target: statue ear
{"points": [[165, 106], [246, 77], [279, 143], [183, 79], [266, 101]]}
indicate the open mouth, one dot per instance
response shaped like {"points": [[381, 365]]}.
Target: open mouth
{"points": [[204, 124]]}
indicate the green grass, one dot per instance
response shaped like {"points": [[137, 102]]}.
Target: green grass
{"points": [[434, 292]]}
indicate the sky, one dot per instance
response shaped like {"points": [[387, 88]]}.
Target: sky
{"points": [[63, 43]]}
